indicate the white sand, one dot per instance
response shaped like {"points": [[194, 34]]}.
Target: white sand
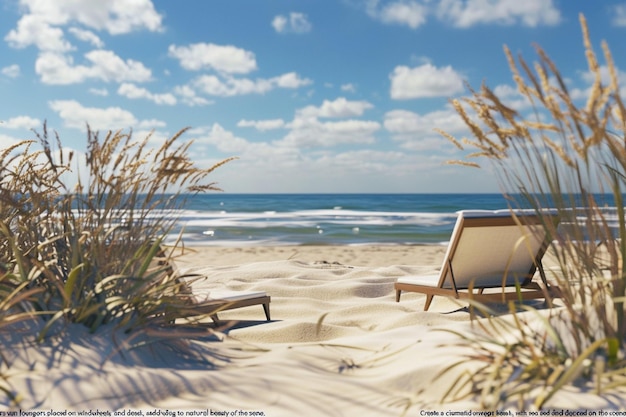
{"points": [[338, 345]]}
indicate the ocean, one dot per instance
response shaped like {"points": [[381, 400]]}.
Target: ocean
{"points": [[222, 219]]}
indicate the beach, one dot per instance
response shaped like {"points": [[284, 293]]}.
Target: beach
{"points": [[337, 345], [349, 255]]}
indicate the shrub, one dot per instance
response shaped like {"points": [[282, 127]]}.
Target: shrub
{"points": [[571, 158], [88, 253]]}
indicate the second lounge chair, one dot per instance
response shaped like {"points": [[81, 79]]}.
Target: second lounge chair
{"points": [[207, 301], [498, 250]]}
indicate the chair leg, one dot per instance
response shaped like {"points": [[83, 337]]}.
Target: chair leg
{"points": [[429, 299], [266, 308], [398, 292]]}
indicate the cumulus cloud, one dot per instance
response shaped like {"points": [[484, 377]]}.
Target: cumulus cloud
{"points": [[55, 68], [151, 124], [189, 97], [223, 58], [310, 132], [76, 116], [307, 131], [294, 23], [131, 91], [87, 36], [404, 12], [511, 97], [41, 24], [340, 107], [467, 13], [21, 122], [36, 30], [619, 15], [102, 92], [222, 139], [262, 125], [229, 86], [406, 123], [11, 71], [424, 81], [416, 132], [290, 80], [605, 77], [348, 88], [8, 141]]}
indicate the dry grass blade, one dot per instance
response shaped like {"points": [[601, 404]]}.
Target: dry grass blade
{"points": [[84, 253], [567, 157]]}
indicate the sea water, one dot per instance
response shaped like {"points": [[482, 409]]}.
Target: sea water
{"points": [[333, 219]]}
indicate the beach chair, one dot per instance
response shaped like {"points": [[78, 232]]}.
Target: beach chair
{"points": [[492, 257], [207, 301]]}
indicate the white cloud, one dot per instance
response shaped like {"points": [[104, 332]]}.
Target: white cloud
{"points": [[36, 30], [340, 107], [102, 92], [424, 81], [295, 23], [76, 116], [605, 78], [11, 71], [156, 138], [310, 132], [307, 131], [263, 125], [511, 97], [55, 68], [151, 124], [467, 13], [21, 122], [619, 15], [404, 12], [279, 23], [131, 91], [87, 36], [348, 88], [290, 80], [362, 162], [189, 97], [41, 24], [408, 125], [214, 86], [222, 139], [304, 132], [416, 132], [230, 86], [227, 59]]}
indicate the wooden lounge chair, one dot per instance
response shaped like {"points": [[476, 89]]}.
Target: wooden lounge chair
{"points": [[205, 300], [495, 251]]}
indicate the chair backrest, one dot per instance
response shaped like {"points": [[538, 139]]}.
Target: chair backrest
{"points": [[163, 268], [493, 249]]}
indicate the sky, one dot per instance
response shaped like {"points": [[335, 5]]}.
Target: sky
{"points": [[311, 96]]}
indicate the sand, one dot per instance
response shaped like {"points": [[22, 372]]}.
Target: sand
{"points": [[338, 345]]}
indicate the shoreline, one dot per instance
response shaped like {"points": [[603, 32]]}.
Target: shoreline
{"points": [[353, 255]]}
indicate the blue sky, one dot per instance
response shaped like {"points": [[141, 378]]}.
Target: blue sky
{"points": [[310, 95]]}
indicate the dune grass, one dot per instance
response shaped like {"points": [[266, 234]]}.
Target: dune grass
{"points": [[566, 153], [80, 235]]}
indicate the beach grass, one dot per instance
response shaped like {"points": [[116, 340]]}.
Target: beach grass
{"points": [[80, 235], [569, 156]]}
